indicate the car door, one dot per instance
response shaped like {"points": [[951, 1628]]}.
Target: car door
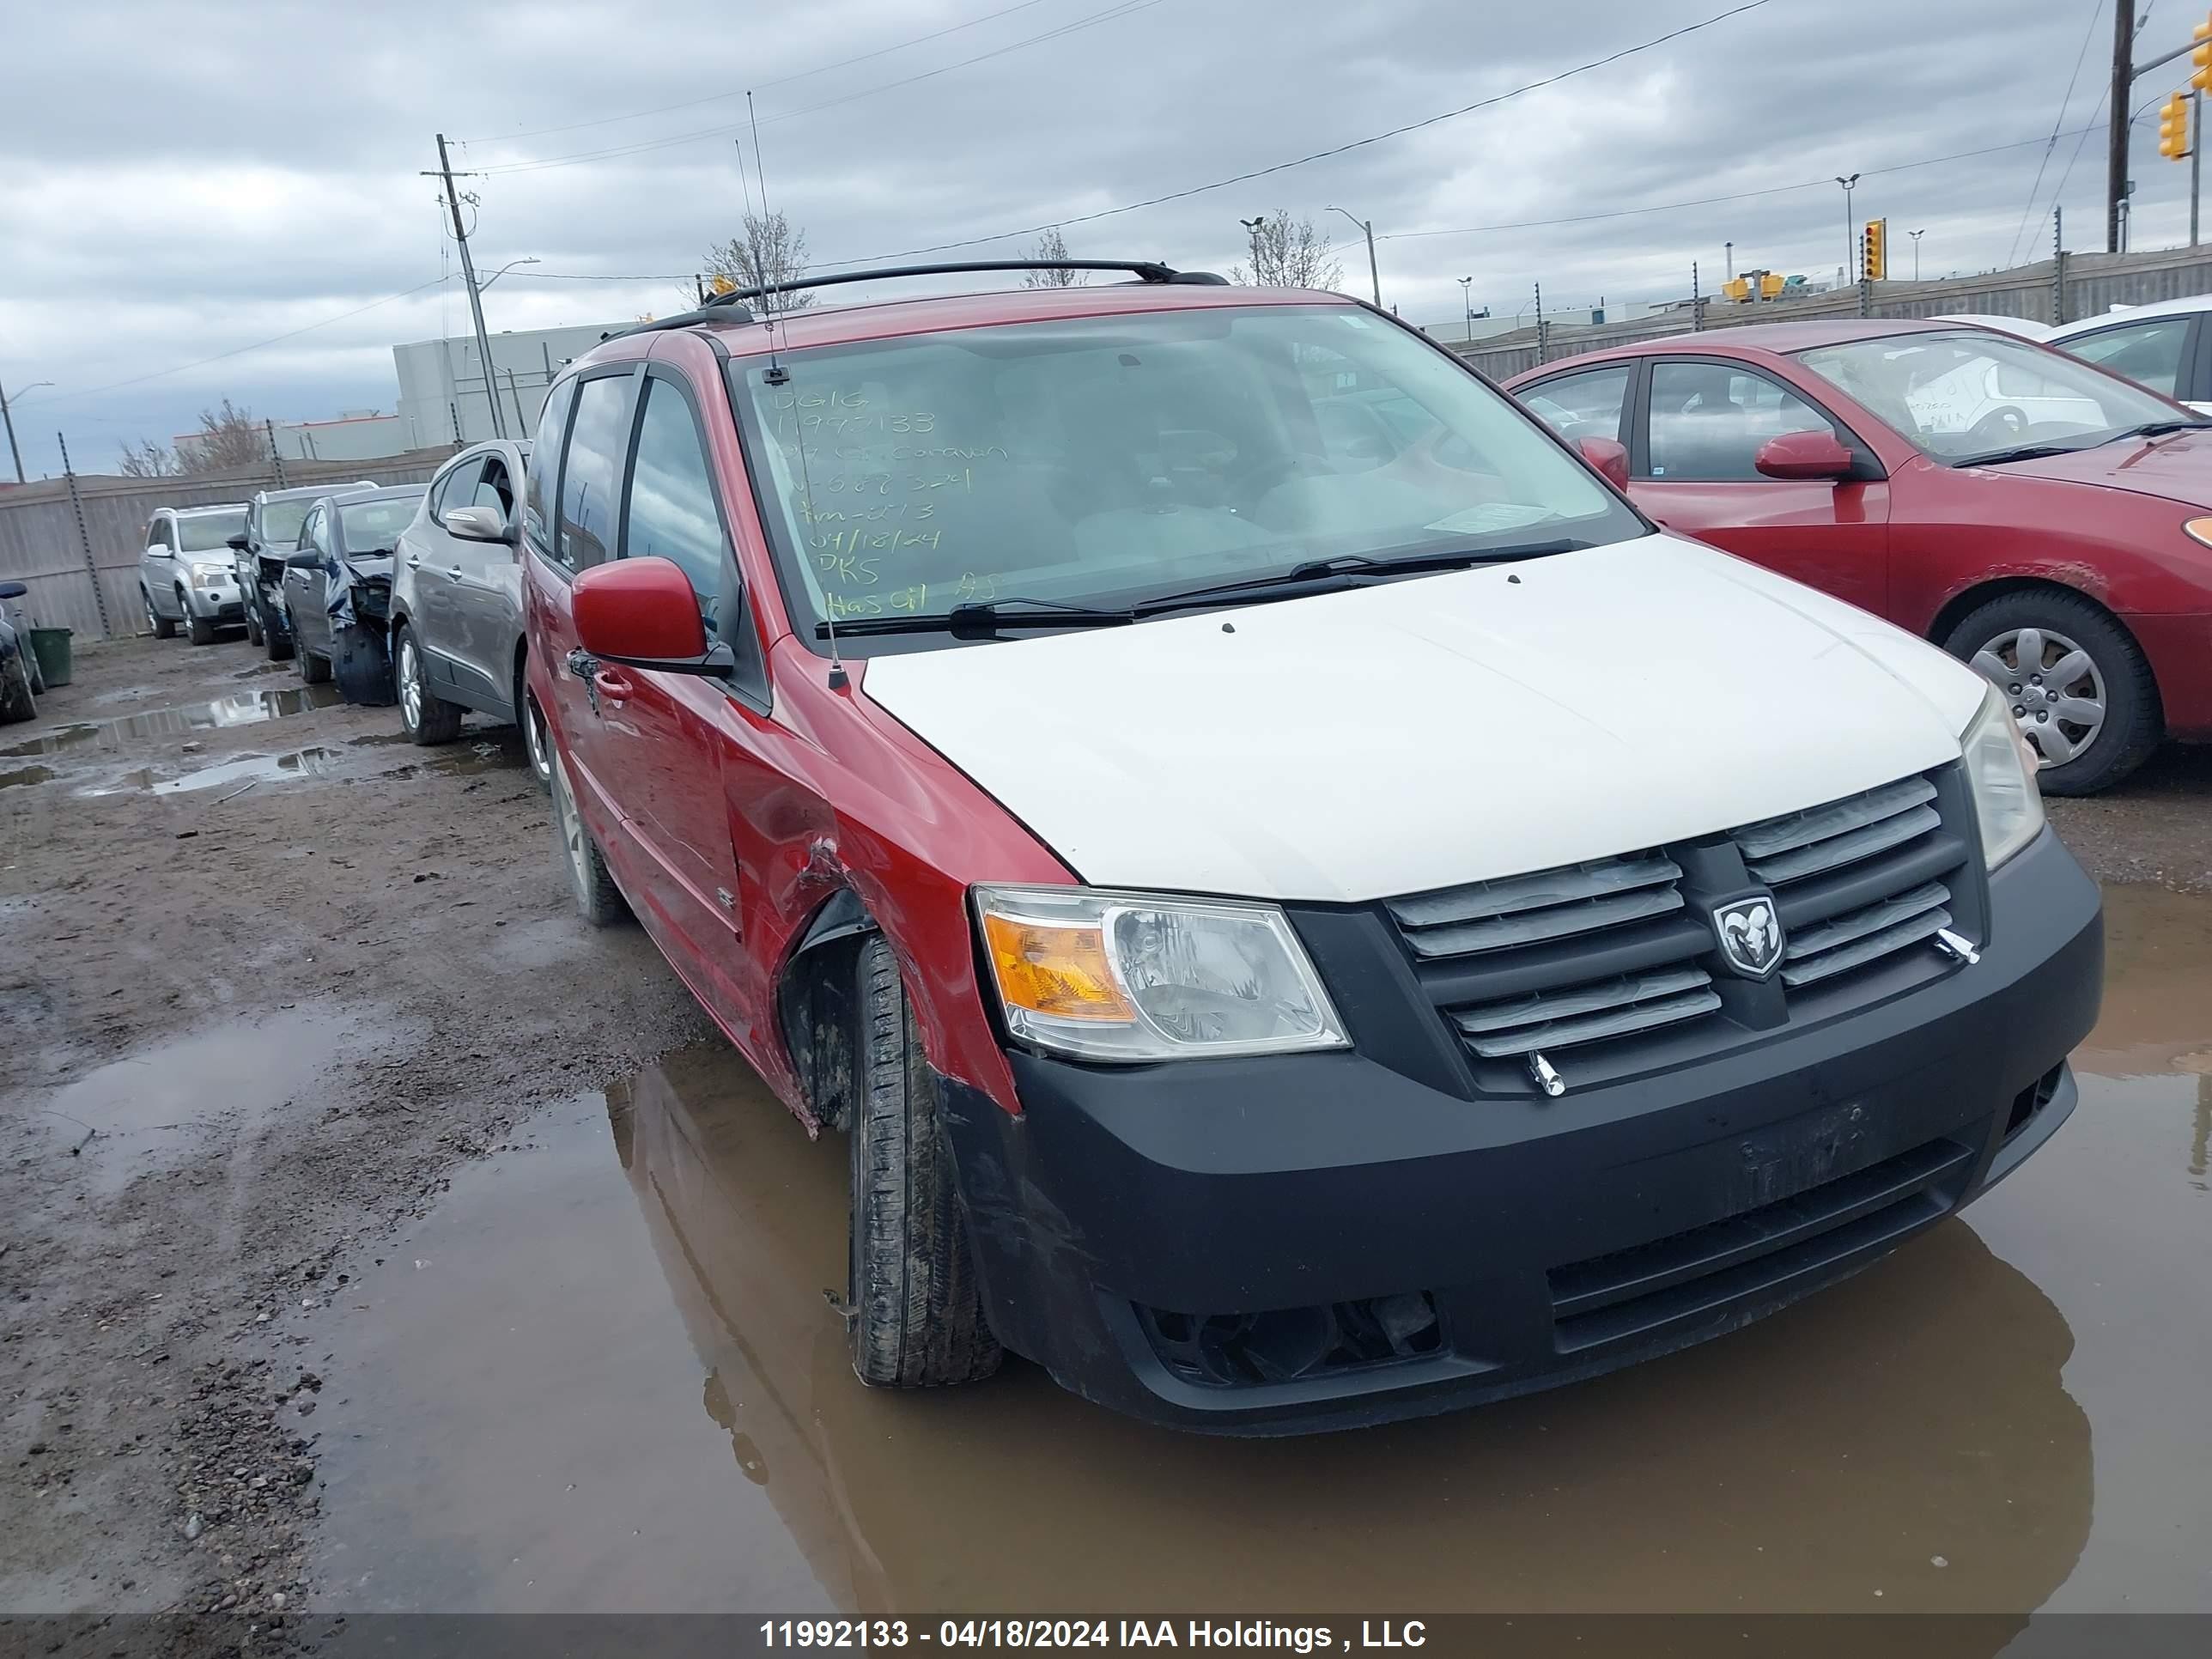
{"points": [[2162, 353], [1592, 403], [304, 586], [486, 594], [427, 566], [1695, 433], [157, 566]]}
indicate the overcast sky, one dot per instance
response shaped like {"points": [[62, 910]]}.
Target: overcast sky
{"points": [[180, 181]]}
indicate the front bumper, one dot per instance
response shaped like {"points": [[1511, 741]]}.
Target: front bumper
{"points": [[223, 604], [1540, 1241]]}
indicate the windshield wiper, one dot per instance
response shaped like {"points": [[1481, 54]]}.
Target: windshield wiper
{"points": [[2019, 452], [2160, 429], [982, 620], [1358, 564]]}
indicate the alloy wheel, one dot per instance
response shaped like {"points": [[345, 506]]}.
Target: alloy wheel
{"points": [[571, 830], [410, 685], [533, 739], [2053, 687]]}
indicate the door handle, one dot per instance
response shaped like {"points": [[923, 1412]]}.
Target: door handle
{"points": [[454, 575], [611, 684], [414, 560], [582, 664]]}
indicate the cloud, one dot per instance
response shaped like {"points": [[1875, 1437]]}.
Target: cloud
{"points": [[177, 181]]}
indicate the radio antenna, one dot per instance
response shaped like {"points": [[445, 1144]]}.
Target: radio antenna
{"points": [[777, 375]]}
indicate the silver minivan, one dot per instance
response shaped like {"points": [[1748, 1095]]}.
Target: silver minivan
{"points": [[457, 634]]}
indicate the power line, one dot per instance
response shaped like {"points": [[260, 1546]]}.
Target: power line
{"points": [[544, 163], [2028, 206], [763, 86], [1316, 155], [1708, 201], [239, 351]]}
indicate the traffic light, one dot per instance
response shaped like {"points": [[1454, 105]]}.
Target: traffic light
{"points": [[2173, 125], [2201, 58], [1873, 251]]}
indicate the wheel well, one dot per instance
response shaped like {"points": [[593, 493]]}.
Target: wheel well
{"points": [[1958, 605], [816, 1004]]}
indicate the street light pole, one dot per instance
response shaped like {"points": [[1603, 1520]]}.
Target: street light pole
{"points": [[8, 419], [1467, 307], [1367, 228], [1850, 260], [1916, 235], [503, 271], [1252, 228]]}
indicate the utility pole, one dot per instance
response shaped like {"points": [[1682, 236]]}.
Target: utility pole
{"points": [[476, 299], [8, 417], [1366, 229], [2116, 139]]}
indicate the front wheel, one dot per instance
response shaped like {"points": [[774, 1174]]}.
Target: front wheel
{"points": [[202, 628], [429, 718], [535, 741], [597, 899], [314, 670], [274, 639], [252, 624], [162, 627], [16, 703], [2077, 683], [915, 1312]]}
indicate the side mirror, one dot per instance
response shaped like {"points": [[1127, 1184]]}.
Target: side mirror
{"points": [[479, 523], [1608, 456], [158, 550], [643, 613], [1812, 456], [12, 590], [237, 543], [309, 559]]}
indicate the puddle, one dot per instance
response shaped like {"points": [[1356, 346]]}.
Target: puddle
{"points": [[24, 775], [653, 1407], [250, 769], [498, 751], [239, 709], [234, 1072]]}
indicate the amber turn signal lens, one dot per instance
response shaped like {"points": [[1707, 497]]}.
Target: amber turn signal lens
{"points": [[1053, 969], [2200, 529]]}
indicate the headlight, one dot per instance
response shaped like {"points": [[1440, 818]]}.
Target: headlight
{"points": [[1132, 976], [2001, 767], [210, 575]]}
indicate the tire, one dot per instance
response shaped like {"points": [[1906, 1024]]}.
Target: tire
{"points": [[537, 741], [598, 901], [2113, 679], [202, 628], [428, 718], [314, 670], [252, 624], [163, 627], [16, 702], [915, 1311], [276, 643]]}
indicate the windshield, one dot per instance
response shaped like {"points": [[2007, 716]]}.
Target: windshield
{"points": [[374, 526], [206, 532], [281, 521], [1964, 395], [1099, 460]]}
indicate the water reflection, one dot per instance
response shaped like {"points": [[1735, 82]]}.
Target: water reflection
{"points": [[239, 709], [1832, 1452]]}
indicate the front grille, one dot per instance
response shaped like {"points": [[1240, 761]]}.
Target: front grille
{"points": [[1615, 960], [1632, 1293]]}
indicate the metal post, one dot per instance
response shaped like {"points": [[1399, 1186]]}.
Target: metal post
{"points": [[1730, 246], [1374, 274], [2058, 266], [1866, 296], [476, 295], [1697, 301], [10, 419], [1543, 339], [521, 420], [453, 413], [2115, 134], [84, 539], [2195, 157], [276, 454]]}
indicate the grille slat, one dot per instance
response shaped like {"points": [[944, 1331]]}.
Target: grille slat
{"points": [[1862, 842], [1872, 918], [1615, 1008], [1816, 823], [1873, 948], [1576, 898]]}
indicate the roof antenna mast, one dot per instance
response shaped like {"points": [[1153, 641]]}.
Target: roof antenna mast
{"points": [[778, 375]]}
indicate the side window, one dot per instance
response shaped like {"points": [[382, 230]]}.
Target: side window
{"points": [[590, 470], [537, 504], [493, 489], [157, 534], [671, 513], [2148, 353], [1708, 421], [1584, 405], [456, 488]]}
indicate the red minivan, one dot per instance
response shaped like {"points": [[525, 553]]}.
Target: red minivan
{"points": [[1147, 761]]}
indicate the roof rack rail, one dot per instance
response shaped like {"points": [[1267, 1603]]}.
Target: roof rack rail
{"points": [[1144, 270]]}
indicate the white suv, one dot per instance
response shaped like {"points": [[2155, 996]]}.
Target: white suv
{"points": [[186, 575]]}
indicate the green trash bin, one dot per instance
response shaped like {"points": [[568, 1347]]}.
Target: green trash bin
{"points": [[50, 646]]}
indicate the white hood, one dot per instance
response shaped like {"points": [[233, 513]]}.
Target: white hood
{"points": [[1436, 730]]}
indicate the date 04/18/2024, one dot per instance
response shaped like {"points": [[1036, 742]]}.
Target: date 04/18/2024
{"points": [[1090, 1634]]}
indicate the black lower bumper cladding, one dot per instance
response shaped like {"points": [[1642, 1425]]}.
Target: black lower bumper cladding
{"points": [[1293, 1242]]}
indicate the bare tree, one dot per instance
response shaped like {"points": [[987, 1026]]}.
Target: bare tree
{"points": [[229, 438], [148, 460], [771, 250], [1289, 254], [1053, 245]]}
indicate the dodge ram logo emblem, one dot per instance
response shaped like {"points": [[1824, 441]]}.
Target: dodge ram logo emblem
{"points": [[1750, 935]]}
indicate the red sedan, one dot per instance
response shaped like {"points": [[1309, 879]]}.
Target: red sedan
{"points": [[2036, 516]]}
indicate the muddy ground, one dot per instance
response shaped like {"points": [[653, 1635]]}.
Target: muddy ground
{"points": [[374, 1237]]}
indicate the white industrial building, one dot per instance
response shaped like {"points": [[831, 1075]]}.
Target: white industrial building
{"points": [[443, 397]]}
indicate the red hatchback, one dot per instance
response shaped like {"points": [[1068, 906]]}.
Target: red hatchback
{"points": [[2034, 514]]}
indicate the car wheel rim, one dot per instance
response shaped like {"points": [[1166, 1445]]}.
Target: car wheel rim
{"points": [[2053, 687], [152, 621], [410, 685], [533, 739], [572, 832]]}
